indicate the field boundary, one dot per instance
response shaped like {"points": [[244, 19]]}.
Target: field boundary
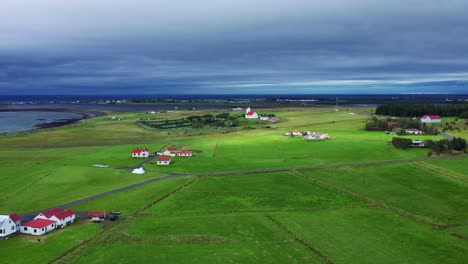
{"points": [[299, 239], [167, 195], [441, 171], [378, 203], [26, 186]]}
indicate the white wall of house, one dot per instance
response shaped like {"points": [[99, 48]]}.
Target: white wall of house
{"points": [[7, 226], [429, 120], [143, 154], [163, 162], [60, 222], [37, 231]]}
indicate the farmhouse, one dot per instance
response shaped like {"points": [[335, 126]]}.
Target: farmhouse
{"points": [[38, 227], [164, 161], [97, 216], [250, 114], [413, 131], [61, 217], [140, 153], [175, 153], [431, 119], [9, 224], [316, 136]]}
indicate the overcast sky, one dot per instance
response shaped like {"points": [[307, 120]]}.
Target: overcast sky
{"points": [[241, 46]]}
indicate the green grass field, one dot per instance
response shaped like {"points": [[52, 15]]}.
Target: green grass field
{"points": [[411, 211]]}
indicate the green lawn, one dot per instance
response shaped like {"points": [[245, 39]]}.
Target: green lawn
{"points": [[374, 236], [406, 186]]}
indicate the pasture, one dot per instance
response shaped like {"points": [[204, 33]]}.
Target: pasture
{"points": [[246, 196]]}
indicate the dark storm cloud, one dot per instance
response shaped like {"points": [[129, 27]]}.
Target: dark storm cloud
{"points": [[241, 46]]}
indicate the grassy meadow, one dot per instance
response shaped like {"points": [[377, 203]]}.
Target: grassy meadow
{"points": [[225, 205]]}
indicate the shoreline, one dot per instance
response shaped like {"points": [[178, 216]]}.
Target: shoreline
{"points": [[84, 115]]}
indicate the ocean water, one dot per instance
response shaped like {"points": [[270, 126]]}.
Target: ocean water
{"points": [[21, 121]]}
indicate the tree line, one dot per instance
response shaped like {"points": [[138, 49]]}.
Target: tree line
{"points": [[418, 110]]}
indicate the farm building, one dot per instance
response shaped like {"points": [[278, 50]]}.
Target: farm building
{"points": [[273, 119], [250, 114], [264, 118], [293, 133], [418, 144], [38, 227], [97, 216], [413, 131], [153, 112], [431, 119], [138, 171], [164, 161], [61, 217], [140, 153], [9, 224], [316, 136], [175, 153]]}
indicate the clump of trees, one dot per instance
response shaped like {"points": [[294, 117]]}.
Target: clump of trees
{"points": [[401, 143], [418, 110], [446, 146], [219, 120]]}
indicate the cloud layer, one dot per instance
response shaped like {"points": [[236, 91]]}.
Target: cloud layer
{"points": [[215, 46]]}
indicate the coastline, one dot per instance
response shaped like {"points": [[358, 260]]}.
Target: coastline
{"points": [[83, 112]]}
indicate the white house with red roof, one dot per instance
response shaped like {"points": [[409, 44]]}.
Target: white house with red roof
{"points": [[9, 224], [97, 216], [250, 114], [38, 227], [62, 217], [164, 160], [175, 153], [140, 153], [431, 119], [316, 136]]}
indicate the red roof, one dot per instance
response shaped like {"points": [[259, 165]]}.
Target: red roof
{"points": [[431, 116], [64, 214], [38, 223], [138, 151], [15, 217], [51, 212], [162, 158], [99, 213], [250, 113]]}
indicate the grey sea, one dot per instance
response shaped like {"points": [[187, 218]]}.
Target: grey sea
{"points": [[20, 121]]}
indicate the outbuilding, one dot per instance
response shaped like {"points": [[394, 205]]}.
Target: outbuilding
{"points": [[164, 161], [38, 227], [140, 153], [97, 216], [431, 119]]}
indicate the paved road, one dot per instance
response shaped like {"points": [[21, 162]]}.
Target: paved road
{"points": [[150, 158], [445, 135], [214, 174]]}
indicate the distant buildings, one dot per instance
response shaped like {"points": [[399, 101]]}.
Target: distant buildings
{"points": [[316, 136], [250, 114], [175, 153], [140, 153], [431, 119], [413, 131]]}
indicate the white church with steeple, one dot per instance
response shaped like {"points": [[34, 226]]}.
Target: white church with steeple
{"points": [[250, 114]]}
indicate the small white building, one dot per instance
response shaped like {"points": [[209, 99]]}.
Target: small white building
{"points": [[273, 119], [413, 131], [264, 118], [140, 153], [153, 112], [250, 114], [38, 227], [138, 171], [316, 136], [164, 161], [418, 144], [431, 119], [9, 224]]}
